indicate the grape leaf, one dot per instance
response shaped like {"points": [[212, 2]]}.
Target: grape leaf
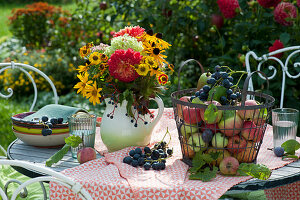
{"points": [[211, 113], [216, 92], [258, 171], [289, 156], [207, 158], [205, 175], [291, 146], [58, 155], [198, 160], [73, 141]]}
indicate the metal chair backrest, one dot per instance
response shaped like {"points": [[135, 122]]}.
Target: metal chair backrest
{"points": [[25, 68], [292, 51]]}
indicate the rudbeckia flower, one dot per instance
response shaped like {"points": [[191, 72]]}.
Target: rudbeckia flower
{"points": [[93, 94], [84, 51], [95, 58], [83, 85], [142, 69], [162, 79]]}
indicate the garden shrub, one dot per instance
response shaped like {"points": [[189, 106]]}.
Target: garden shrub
{"points": [[31, 24]]}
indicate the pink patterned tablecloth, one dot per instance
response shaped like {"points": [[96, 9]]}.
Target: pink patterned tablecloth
{"points": [[110, 178]]}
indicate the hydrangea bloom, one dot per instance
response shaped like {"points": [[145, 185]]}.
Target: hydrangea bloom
{"points": [[269, 3], [121, 64], [228, 7], [284, 11], [123, 42], [277, 45]]}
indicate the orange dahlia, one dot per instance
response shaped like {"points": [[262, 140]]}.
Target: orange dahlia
{"points": [[121, 64]]}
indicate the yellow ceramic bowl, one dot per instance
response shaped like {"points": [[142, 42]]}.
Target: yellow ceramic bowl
{"points": [[38, 130], [53, 140]]}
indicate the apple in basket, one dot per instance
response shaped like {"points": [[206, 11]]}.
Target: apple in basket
{"points": [[213, 127], [197, 143], [191, 115], [180, 107], [236, 144], [219, 140], [187, 150], [229, 166], [247, 155], [251, 132], [231, 123], [211, 120], [86, 154], [222, 154], [249, 114]]}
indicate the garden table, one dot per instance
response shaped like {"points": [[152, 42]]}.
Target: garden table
{"points": [[20, 151]]}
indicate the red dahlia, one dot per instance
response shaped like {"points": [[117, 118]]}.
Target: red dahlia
{"points": [[135, 31], [228, 7], [269, 3], [284, 13], [276, 45], [121, 64]]}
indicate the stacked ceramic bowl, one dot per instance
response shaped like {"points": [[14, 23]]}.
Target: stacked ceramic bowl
{"points": [[30, 132]]}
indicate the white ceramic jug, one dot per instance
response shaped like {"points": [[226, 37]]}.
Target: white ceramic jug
{"points": [[119, 132]]}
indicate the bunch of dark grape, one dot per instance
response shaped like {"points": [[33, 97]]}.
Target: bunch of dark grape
{"points": [[49, 124], [148, 158], [220, 78]]}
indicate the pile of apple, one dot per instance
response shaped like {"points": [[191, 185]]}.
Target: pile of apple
{"points": [[234, 132]]}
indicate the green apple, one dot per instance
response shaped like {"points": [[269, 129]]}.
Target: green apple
{"points": [[197, 143], [187, 129], [219, 140], [203, 80]]}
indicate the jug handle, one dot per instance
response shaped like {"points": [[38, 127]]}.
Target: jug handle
{"points": [[160, 104]]}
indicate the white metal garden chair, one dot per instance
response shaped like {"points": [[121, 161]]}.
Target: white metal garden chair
{"points": [[292, 51], [51, 175]]}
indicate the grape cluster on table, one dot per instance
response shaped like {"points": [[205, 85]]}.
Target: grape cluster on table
{"points": [[148, 158], [48, 124], [221, 78]]}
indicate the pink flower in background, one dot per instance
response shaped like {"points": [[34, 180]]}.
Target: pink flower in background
{"points": [[276, 45], [269, 3], [298, 3], [135, 31], [284, 13], [228, 7]]}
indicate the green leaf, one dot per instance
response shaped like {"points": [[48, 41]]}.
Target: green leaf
{"points": [[58, 155], [198, 160], [73, 141], [214, 155], [205, 175], [290, 156], [207, 158], [211, 113], [258, 171], [216, 93], [291, 146], [284, 38]]}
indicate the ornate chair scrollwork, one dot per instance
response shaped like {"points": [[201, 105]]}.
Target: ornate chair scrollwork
{"points": [[50, 175], [292, 51]]}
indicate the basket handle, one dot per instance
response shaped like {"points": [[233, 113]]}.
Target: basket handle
{"points": [[184, 63], [246, 83]]}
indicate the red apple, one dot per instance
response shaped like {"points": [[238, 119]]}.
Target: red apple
{"points": [[249, 114], [251, 132], [229, 166], [187, 150], [180, 107], [217, 20], [86, 154], [236, 144], [219, 116], [248, 154], [191, 115], [213, 127], [231, 123]]}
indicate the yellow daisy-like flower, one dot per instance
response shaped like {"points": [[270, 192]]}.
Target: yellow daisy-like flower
{"points": [[162, 79], [95, 58], [83, 85], [93, 94], [84, 51], [82, 68], [155, 52], [156, 39], [155, 71], [143, 69], [150, 61], [104, 58]]}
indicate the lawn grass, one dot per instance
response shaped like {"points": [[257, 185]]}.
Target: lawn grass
{"points": [[5, 12]]}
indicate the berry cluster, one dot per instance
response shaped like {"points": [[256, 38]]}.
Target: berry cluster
{"points": [[49, 124], [154, 158], [224, 79]]}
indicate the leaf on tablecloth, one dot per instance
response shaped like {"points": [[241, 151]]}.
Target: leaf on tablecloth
{"points": [[291, 146], [205, 175], [259, 171]]}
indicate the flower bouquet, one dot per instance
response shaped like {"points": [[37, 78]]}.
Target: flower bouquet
{"points": [[127, 74], [132, 68]]}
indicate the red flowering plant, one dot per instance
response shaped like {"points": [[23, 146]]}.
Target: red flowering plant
{"points": [[132, 68]]}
